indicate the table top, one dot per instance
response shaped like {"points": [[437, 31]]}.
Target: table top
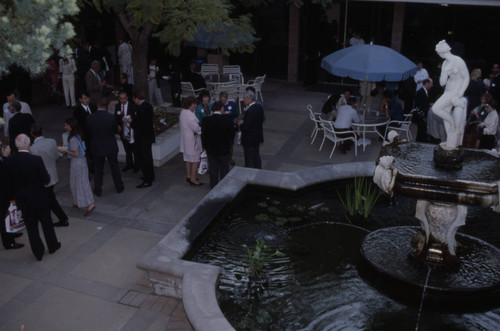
{"points": [[372, 121]]}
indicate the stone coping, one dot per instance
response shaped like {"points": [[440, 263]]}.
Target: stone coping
{"points": [[196, 283]]}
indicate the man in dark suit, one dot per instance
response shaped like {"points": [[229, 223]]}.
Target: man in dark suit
{"points": [[144, 134], [102, 127], [46, 148], [19, 123], [80, 113], [422, 105], [8, 239], [29, 178], [125, 110], [495, 84], [252, 133], [216, 133]]}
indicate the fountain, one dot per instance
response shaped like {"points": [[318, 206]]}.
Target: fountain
{"points": [[342, 300], [445, 179]]}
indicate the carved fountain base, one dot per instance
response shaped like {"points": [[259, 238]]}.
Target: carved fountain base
{"points": [[435, 243]]}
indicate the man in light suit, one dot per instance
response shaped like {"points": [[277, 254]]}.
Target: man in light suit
{"points": [[29, 178], [95, 82], [10, 97], [102, 127], [46, 148]]}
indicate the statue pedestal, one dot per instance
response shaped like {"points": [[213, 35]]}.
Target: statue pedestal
{"points": [[435, 243], [448, 159]]}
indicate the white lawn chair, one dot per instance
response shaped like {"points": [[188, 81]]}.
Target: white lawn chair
{"points": [[330, 134], [315, 118], [234, 73], [188, 90], [399, 127], [208, 69], [257, 85]]}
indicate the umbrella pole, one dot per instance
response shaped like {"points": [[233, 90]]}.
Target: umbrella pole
{"points": [[345, 22]]}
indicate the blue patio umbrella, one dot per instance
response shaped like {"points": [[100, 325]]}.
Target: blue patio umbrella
{"points": [[373, 63]]}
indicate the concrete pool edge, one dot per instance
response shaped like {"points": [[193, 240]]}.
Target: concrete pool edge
{"points": [[196, 283]]}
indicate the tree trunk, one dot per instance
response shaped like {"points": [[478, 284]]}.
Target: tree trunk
{"points": [[139, 38], [139, 59]]}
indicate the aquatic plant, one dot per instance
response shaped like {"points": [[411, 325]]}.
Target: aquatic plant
{"points": [[360, 197], [257, 257]]}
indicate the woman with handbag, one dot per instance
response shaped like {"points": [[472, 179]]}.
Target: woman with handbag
{"points": [[190, 145], [79, 173]]}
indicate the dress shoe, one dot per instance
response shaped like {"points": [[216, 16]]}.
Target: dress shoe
{"points": [[188, 180], [120, 190], [191, 183], [58, 245], [13, 245], [61, 223], [126, 168], [39, 258], [97, 193], [144, 185], [136, 170]]}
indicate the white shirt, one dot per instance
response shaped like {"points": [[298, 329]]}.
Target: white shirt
{"points": [[420, 76], [491, 123], [128, 132], [346, 115]]}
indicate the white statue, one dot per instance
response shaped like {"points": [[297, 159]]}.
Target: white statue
{"points": [[385, 175], [452, 105]]}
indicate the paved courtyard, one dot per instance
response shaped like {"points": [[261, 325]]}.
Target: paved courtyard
{"points": [[92, 283]]}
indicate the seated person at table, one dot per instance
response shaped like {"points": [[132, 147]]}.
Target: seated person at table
{"points": [[203, 108], [490, 125], [391, 108], [346, 115]]}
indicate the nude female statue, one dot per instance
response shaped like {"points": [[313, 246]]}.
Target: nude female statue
{"points": [[452, 105]]}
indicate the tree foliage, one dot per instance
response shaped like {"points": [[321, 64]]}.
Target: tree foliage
{"points": [[31, 30], [177, 20]]}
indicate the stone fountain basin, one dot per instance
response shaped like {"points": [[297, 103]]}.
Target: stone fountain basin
{"points": [[474, 184], [196, 283]]}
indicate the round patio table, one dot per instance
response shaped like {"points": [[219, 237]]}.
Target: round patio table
{"points": [[369, 124]]}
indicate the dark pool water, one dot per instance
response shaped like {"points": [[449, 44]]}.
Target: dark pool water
{"points": [[315, 285]]}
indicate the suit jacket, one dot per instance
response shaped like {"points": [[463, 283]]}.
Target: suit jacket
{"points": [[131, 109], [29, 177], [142, 123], [94, 87], [102, 128], [422, 101], [216, 133], [252, 133], [20, 123], [80, 114], [46, 148], [6, 193]]}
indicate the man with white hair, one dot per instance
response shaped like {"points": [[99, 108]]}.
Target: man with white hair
{"points": [[29, 178], [252, 133]]}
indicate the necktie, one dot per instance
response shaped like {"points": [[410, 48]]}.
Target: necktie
{"points": [[88, 109], [123, 111]]}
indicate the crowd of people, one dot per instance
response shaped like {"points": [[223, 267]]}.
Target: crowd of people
{"points": [[206, 125]]}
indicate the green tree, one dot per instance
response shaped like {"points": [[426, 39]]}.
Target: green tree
{"points": [[172, 22], [31, 30]]}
